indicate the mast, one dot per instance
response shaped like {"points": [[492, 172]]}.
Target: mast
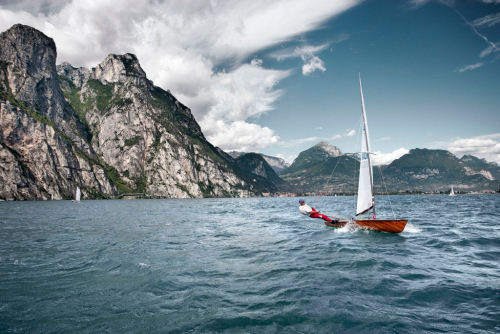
{"points": [[365, 187]]}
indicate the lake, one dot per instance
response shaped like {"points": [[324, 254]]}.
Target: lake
{"points": [[250, 265]]}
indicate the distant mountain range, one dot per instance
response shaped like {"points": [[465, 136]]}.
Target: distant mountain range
{"points": [[110, 131], [324, 167], [278, 164]]}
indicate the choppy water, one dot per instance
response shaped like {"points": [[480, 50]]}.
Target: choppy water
{"points": [[248, 266]]}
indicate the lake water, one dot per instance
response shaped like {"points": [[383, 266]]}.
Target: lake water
{"points": [[253, 265]]}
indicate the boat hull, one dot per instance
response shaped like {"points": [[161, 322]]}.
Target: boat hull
{"points": [[383, 225]]}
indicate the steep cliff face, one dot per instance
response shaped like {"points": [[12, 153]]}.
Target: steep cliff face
{"points": [[256, 165], [278, 164], [45, 150], [149, 137]]}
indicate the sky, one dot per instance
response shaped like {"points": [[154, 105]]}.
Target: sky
{"points": [[277, 77]]}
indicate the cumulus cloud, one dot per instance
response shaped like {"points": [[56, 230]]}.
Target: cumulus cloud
{"points": [[484, 147], [351, 133], [470, 67], [181, 43], [241, 136], [380, 158], [312, 64]]}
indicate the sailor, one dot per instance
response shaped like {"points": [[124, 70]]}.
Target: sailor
{"points": [[311, 212]]}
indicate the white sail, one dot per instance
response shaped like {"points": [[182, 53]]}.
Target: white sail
{"points": [[452, 193], [365, 187], [78, 194]]}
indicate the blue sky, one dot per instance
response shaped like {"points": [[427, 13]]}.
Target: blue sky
{"points": [[410, 59], [279, 76]]}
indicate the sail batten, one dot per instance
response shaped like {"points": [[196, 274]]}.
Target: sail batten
{"points": [[365, 186]]}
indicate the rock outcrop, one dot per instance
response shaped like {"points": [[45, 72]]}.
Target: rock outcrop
{"points": [[151, 139], [263, 174], [278, 164], [45, 150]]}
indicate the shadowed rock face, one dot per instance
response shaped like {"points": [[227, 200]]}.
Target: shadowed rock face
{"points": [[277, 164], [44, 147]]}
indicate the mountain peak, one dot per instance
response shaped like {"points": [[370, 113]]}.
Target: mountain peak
{"points": [[333, 151], [119, 68]]}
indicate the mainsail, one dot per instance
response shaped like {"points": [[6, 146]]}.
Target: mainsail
{"points": [[78, 194], [365, 187]]}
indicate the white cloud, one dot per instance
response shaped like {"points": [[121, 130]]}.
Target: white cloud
{"points": [[489, 20], [241, 136], [180, 43], [307, 54], [380, 158], [418, 3], [337, 137], [351, 133], [319, 128], [257, 62], [489, 50], [298, 142], [312, 64], [484, 147], [298, 52], [470, 67], [385, 138]]}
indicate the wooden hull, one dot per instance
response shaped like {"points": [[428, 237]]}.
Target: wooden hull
{"points": [[383, 225]]}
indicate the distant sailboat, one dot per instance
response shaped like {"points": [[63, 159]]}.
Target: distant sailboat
{"points": [[452, 193], [366, 201], [78, 195]]}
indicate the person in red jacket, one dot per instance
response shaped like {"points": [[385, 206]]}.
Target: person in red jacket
{"points": [[311, 212]]}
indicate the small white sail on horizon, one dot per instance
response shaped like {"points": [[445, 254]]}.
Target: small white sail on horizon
{"points": [[365, 186], [452, 193], [78, 194]]}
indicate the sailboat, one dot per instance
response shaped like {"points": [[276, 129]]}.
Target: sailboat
{"points": [[366, 201], [78, 195], [452, 193]]}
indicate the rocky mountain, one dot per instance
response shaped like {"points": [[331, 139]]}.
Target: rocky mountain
{"points": [[419, 170], [437, 170], [332, 174], [107, 129], [264, 174], [45, 149], [235, 154], [489, 170], [278, 164], [310, 157]]}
